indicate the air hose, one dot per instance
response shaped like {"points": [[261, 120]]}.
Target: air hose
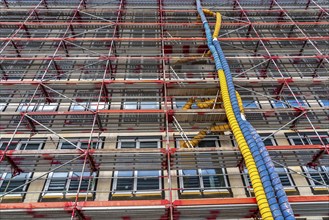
{"points": [[250, 163], [231, 105]]}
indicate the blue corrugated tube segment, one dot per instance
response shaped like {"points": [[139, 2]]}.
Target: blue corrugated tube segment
{"points": [[275, 194], [275, 179]]}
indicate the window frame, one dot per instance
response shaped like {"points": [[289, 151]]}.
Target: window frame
{"points": [[271, 138], [23, 191], [39, 107], [134, 191], [199, 173], [79, 141], [23, 143], [324, 171], [88, 106], [66, 192], [248, 185], [323, 102], [254, 103], [306, 135], [3, 106]]}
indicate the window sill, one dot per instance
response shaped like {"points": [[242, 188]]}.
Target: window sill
{"points": [[320, 190], [206, 193], [288, 190], [11, 198], [69, 196], [130, 195]]}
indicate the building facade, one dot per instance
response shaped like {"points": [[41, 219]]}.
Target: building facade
{"points": [[99, 100]]}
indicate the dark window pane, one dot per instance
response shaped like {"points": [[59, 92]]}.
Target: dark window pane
{"points": [[320, 175], [207, 143], [30, 146], [75, 180], [128, 144], [148, 180], [58, 182], [12, 146], [125, 180], [84, 145], [10, 183], [149, 144], [212, 178], [191, 179], [67, 145]]}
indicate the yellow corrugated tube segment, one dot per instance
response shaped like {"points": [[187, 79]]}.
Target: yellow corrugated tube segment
{"points": [[240, 103], [188, 104], [205, 104], [218, 128], [208, 12], [202, 134], [217, 25], [196, 139], [245, 151]]}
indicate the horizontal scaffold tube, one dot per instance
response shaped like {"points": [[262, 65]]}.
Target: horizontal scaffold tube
{"points": [[250, 163]]}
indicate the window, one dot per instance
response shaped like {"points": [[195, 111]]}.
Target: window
{"points": [[21, 145], [139, 142], [307, 138], [65, 185], [318, 177], [142, 182], [284, 175], [297, 103], [9, 182], [288, 103], [207, 178], [250, 103], [85, 106], [179, 104], [269, 141], [324, 102], [141, 100], [278, 104], [28, 107], [3, 106], [81, 143]]}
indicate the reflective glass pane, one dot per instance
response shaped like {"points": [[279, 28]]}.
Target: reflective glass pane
{"points": [[130, 105], [12, 146], [125, 180], [249, 104], [30, 146], [296, 103], [10, 183], [148, 180], [278, 104], [126, 144], [149, 105], [67, 145], [149, 144], [190, 179], [58, 182], [212, 178], [75, 181]]}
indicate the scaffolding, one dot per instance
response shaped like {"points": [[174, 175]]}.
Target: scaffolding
{"points": [[90, 74]]}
